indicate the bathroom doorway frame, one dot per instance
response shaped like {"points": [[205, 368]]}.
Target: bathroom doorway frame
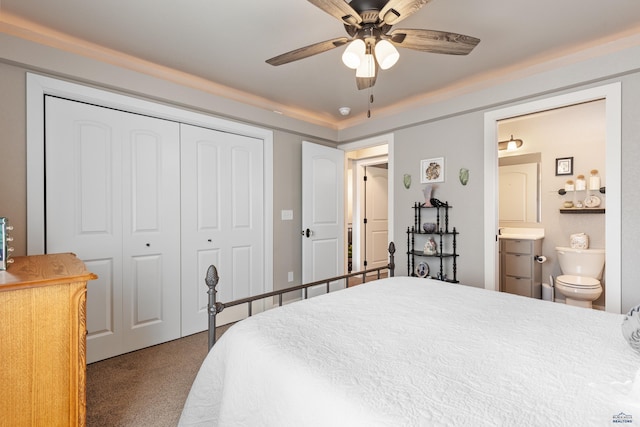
{"points": [[612, 95]]}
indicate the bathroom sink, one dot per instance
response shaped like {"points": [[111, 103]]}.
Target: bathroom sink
{"points": [[521, 233]]}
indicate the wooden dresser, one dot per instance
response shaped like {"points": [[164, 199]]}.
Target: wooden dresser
{"points": [[43, 341]]}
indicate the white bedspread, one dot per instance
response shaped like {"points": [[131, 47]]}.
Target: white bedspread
{"points": [[416, 352]]}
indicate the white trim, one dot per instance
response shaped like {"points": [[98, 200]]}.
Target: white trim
{"points": [[612, 93], [388, 140], [38, 86]]}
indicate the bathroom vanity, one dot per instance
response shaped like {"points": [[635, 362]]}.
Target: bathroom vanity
{"points": [[520, 273]]}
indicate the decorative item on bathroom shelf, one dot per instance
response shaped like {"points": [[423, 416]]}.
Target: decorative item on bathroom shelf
{"points": [[581, 183], [427, 191], [464, 176], [594, 180], [564, 166], [406, 179], [569, 185], [592, 201], [431, 247], [432, 170]]}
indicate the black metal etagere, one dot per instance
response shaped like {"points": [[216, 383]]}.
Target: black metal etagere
{"points": [[446, 239]]}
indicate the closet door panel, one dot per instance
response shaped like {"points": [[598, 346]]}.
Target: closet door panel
{"points": [[222, 214], [151, 232], [83, 184]]}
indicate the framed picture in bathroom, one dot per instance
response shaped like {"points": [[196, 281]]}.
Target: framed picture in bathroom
{"points": [[564, 166], [432, 170]]}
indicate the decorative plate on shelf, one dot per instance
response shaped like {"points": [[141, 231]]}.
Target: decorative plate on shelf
{"points": [[422, 269], [592, 201]]}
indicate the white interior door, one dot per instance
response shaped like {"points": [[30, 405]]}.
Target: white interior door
{"points": [[322, 214], [376, 216], [112, 182], [222, 221]]}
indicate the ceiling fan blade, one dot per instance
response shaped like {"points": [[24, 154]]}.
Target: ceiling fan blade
{"points": [[433, 41], [307, 51], [340, 10], [397, 10]]}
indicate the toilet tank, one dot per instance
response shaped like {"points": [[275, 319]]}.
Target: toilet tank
{"points": [[581, 262]]}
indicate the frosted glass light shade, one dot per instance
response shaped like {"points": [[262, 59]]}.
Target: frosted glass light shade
{"points": [[352, 56], [367, 68], [386, 54]]}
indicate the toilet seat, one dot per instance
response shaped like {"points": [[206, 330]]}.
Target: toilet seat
{"points": [[578, 282]]}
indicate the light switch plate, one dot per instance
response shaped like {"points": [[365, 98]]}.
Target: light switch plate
{"points": [[286, 215]]}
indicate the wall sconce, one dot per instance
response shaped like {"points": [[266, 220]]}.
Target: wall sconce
{"points": [[510, 145]]}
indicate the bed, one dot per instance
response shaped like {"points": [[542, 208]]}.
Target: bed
{"points": [[407, 351]]}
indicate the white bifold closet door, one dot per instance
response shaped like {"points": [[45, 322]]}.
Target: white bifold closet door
{"points": [[112, 197], [222, 221]]}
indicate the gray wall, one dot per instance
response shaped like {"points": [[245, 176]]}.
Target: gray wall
{"points": [[450, 127], [458, 140]]}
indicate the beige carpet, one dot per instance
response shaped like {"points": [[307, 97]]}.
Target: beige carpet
{"points": [[147, 387]]}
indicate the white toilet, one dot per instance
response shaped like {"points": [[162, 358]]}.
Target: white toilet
{"points": [[581, 274]]}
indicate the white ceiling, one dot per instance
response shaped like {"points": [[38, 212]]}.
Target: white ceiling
{"points": [[228, 43]]}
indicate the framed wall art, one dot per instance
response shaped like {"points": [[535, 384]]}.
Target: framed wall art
{"points": [[432, 170], [564, 166]]}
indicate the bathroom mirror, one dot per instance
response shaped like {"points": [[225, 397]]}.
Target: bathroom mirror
{"points": [[519, 189]]}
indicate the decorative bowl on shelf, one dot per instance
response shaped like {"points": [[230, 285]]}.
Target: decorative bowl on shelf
{"points": [[429, 227]]}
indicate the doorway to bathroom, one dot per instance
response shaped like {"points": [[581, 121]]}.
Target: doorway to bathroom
{"points": [[529, 182], [610, 95]]}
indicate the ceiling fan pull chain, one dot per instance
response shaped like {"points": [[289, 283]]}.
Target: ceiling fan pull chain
{"points": [[369, 103]]}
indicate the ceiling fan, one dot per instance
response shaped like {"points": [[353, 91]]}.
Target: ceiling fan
{"points": [[371, 41]]}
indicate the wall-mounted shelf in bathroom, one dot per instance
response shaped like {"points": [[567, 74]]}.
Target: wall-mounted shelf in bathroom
{"points": [[562, 191], [582, 210]]}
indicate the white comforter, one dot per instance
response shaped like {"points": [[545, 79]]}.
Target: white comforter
{"points": [[416, 352]]}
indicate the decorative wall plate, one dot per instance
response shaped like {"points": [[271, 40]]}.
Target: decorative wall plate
{"points": [[422, 269], [592, 201]]}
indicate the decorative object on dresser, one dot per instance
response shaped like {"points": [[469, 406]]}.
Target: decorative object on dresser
{"points": [[444, 240], [43, 340], [5, 249]]}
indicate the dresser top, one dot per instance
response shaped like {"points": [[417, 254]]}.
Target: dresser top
{"points": [[44, 270]]}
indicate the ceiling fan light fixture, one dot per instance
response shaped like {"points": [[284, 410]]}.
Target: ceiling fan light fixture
{"points": [[367, 68], [353, 54], [386, 54]]}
